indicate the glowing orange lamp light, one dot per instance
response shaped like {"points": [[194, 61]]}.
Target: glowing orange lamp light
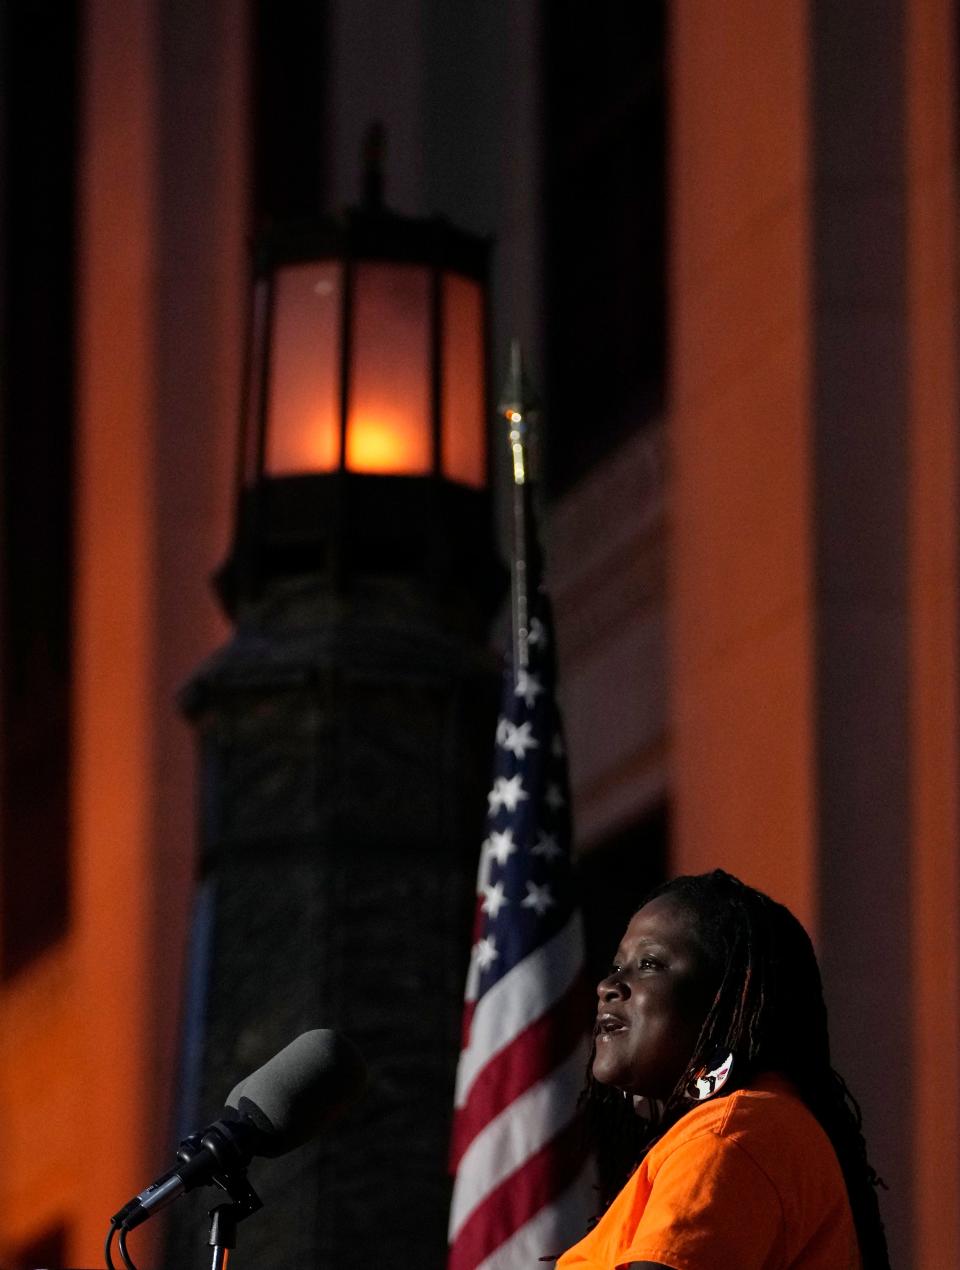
{"points": [[369, 353]]}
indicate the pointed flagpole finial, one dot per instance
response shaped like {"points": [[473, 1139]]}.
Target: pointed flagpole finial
{"points": [[517, 407], [518, 410]]}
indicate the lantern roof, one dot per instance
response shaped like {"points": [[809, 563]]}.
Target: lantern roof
{"points": [[373, 233]]}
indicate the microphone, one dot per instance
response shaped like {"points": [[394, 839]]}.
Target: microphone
{"points": [[280, 1106], [298, 1091]]}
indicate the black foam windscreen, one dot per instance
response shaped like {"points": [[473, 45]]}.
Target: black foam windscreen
{"points": [[295, 1093]]}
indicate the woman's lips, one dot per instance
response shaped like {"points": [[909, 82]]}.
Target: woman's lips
{"points": [[609, 1025]]}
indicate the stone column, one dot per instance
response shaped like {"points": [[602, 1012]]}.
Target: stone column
{"points": [[346, 739]]}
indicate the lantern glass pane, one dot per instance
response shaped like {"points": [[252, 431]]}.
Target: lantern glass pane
{"points": [[303, 412], [388, 420], [463, 439]]}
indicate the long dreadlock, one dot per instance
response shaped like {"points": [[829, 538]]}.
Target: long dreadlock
{"points": [[769, 1012]]}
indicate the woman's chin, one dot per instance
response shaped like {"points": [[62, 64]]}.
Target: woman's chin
{"points": [[606, 1073]]}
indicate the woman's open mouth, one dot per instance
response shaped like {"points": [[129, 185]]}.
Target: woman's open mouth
{"points": [[609, 1025]]}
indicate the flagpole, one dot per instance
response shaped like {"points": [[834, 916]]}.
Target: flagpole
{"points": [[523, 1185], [517, 408]]}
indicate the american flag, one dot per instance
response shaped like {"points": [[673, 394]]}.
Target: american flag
{"points": [[522, 1187]]}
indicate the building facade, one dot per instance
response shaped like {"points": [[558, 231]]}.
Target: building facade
{"points": [[726, 236]]}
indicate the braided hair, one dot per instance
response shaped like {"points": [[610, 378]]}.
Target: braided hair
{"points": [[769, 1011]]}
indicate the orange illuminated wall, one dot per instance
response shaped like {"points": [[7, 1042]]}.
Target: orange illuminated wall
{"points": [[934, 475], [743, 710], [814, 530], [89, 1030]]}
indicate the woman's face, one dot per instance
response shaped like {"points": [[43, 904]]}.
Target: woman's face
{"points": [[654, 1001]]}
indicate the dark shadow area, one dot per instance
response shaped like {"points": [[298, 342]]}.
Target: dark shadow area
{"points": [[605, 193], [613, 879], [38, 56]]}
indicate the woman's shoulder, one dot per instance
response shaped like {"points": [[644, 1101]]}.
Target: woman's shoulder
{"points": [[766, 1116], [765, 1128], [756, 1150]]}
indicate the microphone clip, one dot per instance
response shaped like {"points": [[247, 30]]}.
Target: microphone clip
{"points": [[231, 1176], [244, 1199]]}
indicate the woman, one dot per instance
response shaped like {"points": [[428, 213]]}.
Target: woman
{"points": [[730, 1139]]}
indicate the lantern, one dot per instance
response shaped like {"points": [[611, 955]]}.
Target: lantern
{"points": [[366, 390]]}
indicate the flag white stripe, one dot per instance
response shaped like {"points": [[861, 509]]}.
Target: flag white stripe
{"points": [[554, 1229], [473, 979], [519, 999], [519, 1131]]}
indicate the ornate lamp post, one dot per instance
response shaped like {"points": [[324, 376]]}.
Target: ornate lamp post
{"points": [[345, 728]]}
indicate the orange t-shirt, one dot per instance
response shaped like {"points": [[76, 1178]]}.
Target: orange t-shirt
{"points": [[746, 1182]]}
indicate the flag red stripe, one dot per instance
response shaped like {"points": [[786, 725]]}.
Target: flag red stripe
{"points": [[530, 1057], [520, 1197]]}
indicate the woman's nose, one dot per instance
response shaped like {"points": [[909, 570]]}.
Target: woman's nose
{"points": [[612, 988]]}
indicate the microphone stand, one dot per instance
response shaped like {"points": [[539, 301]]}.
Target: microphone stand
{"points": [[223, 1234], [224, 1217]]}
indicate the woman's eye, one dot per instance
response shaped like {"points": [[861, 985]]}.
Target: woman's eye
{"points": [[649, 963]]}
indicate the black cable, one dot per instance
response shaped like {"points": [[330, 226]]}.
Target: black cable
{"points": [[107, 1254], [122, 1244]]}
